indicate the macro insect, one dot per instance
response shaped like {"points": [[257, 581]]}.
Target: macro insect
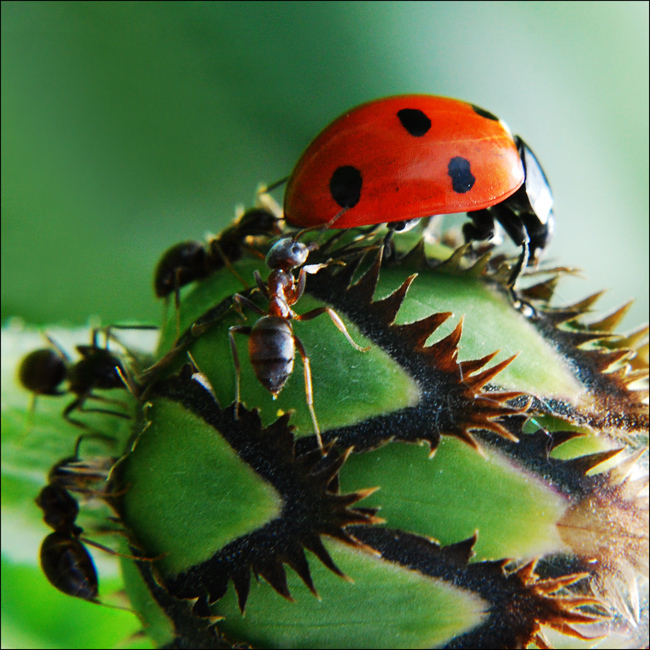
{"points": [[272, 342], [44, 370], [402, 158], [65, 560]]}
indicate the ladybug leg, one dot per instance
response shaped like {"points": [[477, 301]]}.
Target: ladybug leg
{"points": [[396, 226], [514, 226], [482, 227], [389, 252], [309, 393], [237, 329], [539, 233]]}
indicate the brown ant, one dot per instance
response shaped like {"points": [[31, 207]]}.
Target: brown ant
{"points": [[194, 260], [64, 558], [44, 370], [272, 342]]}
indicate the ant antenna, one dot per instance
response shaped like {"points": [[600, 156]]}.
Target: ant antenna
{"points": [[273, 186], [321, 227]]}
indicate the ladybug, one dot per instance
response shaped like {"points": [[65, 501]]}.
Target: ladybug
{"points": [[398, 159]]}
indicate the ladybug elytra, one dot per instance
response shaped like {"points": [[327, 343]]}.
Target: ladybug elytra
{"points": [[412, 156]]}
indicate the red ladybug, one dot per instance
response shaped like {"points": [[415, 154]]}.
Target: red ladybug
{"points": [[402, 158]]}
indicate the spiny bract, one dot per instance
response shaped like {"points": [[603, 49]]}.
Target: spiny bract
{"points": [[482, 480], [470, 498]]}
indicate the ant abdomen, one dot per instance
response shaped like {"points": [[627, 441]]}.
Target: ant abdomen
{"points": [[68, 566], [272, 351], [42, 372]]}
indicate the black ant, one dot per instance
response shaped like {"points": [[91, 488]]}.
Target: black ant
{"points": [[43, 371], [65, 561], [194, 260], [272, 342], [64, 558]]}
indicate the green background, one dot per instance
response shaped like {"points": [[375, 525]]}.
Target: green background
{"points": [[130, 126]]}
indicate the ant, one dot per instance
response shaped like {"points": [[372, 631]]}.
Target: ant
{"points": [[272, 342], [64, 558], [194, 260], [65, 561], [43, 371]]}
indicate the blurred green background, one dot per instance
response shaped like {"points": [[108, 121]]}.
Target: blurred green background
{"points": [[130, 126]]}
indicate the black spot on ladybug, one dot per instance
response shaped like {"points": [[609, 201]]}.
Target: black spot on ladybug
{"points": [[462, 179], [414, 121], [483, 113], [345, 186]]}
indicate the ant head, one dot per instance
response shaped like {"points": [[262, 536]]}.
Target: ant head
{"points": [[42, 372], [287, 254]]}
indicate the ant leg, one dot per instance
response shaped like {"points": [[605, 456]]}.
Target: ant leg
{"points": [[265, 199], [177, 301], [106, 400], [129, 381], [309, 393], [78, 404], [227, 263], [240, 329], [74, 405], [242, 301], [253, 252], [198, 328], [87, 436], [336, 319], [261, 285], [58, 348], [110, 551]]}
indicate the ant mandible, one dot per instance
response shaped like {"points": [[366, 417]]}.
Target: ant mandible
{"points": [[43, 371], [272, 342]]}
